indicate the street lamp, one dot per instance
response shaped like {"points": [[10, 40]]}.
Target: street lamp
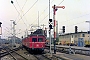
{"points": [[89, 31]]}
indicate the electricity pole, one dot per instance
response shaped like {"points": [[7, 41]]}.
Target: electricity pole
{"points": [[43, 28], [13, 42], [14, 31], [89, 32], [50, 30]]}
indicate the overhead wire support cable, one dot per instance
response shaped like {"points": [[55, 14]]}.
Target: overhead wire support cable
{"points": [[21, 10], [75, 18], [60, 2], [28, 10], [17, 11], [30, 7], [24, 4], [20, 7], [76, 23]]}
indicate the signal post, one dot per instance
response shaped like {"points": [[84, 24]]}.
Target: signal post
{"points": [[54, 13]]}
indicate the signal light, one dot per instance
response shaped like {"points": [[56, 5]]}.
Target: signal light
{"points": [[0, 24], [76, 29], [50, 24], [50, 20], [63, 28]]}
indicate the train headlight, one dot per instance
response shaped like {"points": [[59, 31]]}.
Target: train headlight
{"points": [[37, 45]]}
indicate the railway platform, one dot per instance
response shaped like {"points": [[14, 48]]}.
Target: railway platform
{"points": [[72, 56], [68, 56]]}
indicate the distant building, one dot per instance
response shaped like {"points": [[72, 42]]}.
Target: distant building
{"points": [[73, 38], [17, 40], [3, 41]]}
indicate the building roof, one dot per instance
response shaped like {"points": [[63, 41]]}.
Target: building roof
{"points": [[71, 33]]}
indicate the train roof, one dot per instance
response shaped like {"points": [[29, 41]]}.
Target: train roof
{"points": [[36, 35], [38, 32]]}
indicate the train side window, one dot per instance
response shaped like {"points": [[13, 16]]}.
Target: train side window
{"points": [[34, 39], [40, 39]]}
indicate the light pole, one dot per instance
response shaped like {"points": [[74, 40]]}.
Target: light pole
{"points": [[89, 32], [43, 28]]}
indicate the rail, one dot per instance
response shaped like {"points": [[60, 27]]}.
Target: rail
{"points": [[73, 49]]}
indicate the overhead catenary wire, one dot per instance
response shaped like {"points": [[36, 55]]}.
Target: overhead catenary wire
{"points": [[20, 7], [6, 23], [42, 13], [7, 30], [67, 20], [28, 10], [76, 23], [22, 11], [50, 12], [17, 11], [47, 15], [61, 2], [75, 18], [24, 4], [31, 7]]}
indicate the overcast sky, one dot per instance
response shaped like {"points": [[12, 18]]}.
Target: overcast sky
{"points": [[25, 13]]}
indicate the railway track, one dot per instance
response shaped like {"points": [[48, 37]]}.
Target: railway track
{"points": [[17, 56], [72, 50], [13, 54], [41, 57]]}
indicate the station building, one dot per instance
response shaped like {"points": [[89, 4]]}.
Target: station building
{"points": [[73, 38]]}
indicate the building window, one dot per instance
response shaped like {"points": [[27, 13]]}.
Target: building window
{"points": [[75, 36], [78, 35], [72, 36], [83, 35]]}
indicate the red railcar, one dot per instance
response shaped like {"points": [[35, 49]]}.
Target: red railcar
{"points": [[34, 42]]}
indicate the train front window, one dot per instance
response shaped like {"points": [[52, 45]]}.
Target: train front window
{"points": [[40, 39], [34, 39]]}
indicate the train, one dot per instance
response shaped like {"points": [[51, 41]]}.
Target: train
{"points": [[35, 41]]}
